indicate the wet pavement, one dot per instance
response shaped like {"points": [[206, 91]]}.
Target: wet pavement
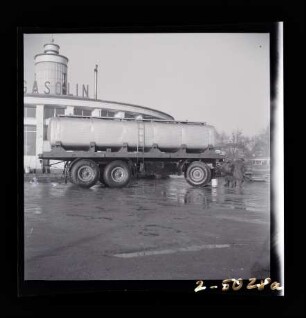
{"points": [[152, 229]]}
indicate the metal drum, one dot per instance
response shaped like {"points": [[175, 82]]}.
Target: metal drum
{"points": [[75, 133]]}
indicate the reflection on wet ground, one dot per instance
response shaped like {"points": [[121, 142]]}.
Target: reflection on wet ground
{"points": [[145, 194], [76, 233]]}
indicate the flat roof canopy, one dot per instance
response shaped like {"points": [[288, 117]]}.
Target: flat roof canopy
{"points": [[61, 100]]}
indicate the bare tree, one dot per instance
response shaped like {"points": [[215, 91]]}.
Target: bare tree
{"points": [[261, 147], [237, 145]]}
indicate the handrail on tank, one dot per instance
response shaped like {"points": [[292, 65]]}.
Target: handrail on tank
{"points": [[134, 119]]}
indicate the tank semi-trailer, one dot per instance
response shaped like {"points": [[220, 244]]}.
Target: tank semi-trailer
{"points": [[112, 150]]}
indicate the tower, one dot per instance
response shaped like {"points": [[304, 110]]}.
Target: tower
{"points": [[51, 70]]}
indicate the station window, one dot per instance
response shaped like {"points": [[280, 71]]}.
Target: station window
{"points": [[30, 112], [53, 112], [29, 140], [129, 115], [107, 113], [149, 117], [45, 132], [82, 112]]}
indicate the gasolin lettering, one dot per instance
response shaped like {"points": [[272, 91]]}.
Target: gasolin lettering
{"points": [[58, 87]]}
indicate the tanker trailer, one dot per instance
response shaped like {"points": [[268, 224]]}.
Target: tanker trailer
{"points": [[112, 150]]}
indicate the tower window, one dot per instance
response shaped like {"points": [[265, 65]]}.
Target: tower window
{"points": [[64, 88]]}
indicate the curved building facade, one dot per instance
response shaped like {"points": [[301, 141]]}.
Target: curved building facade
{"points": [[50, 97]]}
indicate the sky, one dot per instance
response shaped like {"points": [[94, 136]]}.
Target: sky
{"points": [[218, 78]]}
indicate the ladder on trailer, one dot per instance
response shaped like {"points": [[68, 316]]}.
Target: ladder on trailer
{"points": [[140, 141]]}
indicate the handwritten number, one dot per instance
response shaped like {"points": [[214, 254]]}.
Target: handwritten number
{"points": [[251, 283], [200, 287], [237, 286], [238, 283], [225, 285], [276, 285], [262, 284]]}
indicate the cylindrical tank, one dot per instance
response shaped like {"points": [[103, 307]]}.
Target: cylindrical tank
{"points": [[76, 133], [51, 71]]}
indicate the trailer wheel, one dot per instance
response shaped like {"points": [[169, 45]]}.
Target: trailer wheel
{"points": [[101, 177], [198, 174], [84, 173], [117, 174]]}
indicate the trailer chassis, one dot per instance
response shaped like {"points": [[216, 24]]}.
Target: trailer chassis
{"points": [[115, 168]]}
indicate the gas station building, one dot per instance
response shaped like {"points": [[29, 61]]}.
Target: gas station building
{"points": [[50, 96]]}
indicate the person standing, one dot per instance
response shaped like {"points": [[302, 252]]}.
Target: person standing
{"points": [[227, 170], [238, 172]]}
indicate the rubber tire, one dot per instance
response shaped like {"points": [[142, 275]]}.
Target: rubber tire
{"points": [[206, 174], [74, 178], [101, 178], [107, 174]]}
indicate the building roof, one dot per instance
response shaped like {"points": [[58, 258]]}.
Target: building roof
{"points": [[64, 100]]}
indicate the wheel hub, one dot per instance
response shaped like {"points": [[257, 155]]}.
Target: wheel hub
{"points": [[118, 174], [197, 174], [85, 173]]}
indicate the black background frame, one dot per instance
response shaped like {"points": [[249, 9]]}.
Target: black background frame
{"points": [[53, 297]]}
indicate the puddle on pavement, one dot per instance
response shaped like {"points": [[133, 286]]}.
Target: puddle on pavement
{"points": [[145, 195]]}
